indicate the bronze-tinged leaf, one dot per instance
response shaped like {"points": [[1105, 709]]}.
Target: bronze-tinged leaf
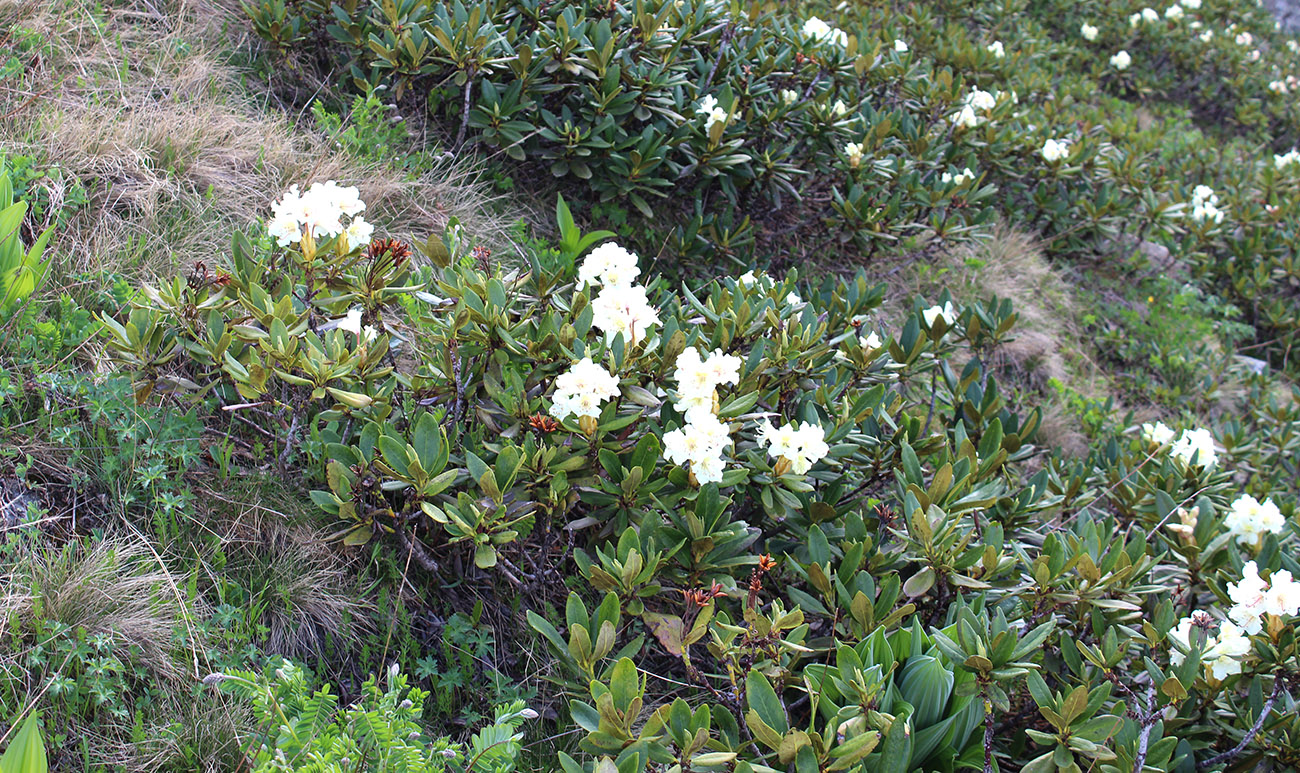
{"points": [[668, 629]]}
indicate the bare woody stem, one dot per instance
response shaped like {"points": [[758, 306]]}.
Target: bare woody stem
{"points": [[1278, 688]]}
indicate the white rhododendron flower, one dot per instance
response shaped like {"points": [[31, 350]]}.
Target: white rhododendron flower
{"points": [[839, 108], [1157, 433], [1198, 443], [1249, 519], [1224, 658], [609, 265], [581, 390], [789, 96], [1251, 599], [1055, 150], [358, 233], [870, 341], [749, 278], [1289, 158], [706, 105], [351, 321], [854, 152], [698, 377], [933, 314], [1191, 5], [821, 31], [1244, 39], [966, 117], [793, 299], [1174, 12], [701, 444], [1221, 653], [798, 447], [961, 178], [319, 210], [1149, 14], [1205, 205], [1121, 60], [624, 309], [996, 49], [1089, 32], [900, 47], [1206, 36], [976, 101]]}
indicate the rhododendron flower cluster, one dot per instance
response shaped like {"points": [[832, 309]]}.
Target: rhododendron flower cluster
{"points": [[698, 379], [854, 152], [621, 306], [1205, 205], [1253, 598], [610, 265], [624, 309], [1221, 653], [580, 391], [1055, 150], [708, 106], [701, 444], [1089, 32], [319, 212], [935, 313], [961, 178], [1157, 433], [794, 448], [996, 49], [1289, 158], [704, 439], [1249, 519], [1198, 444], [976, 101], [900, 47], [1121, 60], [822, 32]]}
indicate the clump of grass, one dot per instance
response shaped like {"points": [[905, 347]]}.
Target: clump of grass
{"points": [[117, 587], [141, 102]]}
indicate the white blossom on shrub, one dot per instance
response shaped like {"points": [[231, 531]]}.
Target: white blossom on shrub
{"points": [[1205, 205], [319, 211], [996, 49], [1249, 519], [1089, 32], [624, 309], [701, 444], [699, 377], [795, 448], [1055, 150], [1158, 433], [581, 390], [900, 46], [609, 265], [1253, 598], [822, 32], [1198, 443], [945, 312], [1120, 60]]}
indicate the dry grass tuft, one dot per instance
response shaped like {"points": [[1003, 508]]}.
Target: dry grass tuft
{"points": [[142, 104], [115, 587], [304, 590], [1049, 345]]}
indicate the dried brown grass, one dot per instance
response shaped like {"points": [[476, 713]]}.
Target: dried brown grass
{"points": [[304, 588], [116, 587], [142, 104], [1049, 345]]}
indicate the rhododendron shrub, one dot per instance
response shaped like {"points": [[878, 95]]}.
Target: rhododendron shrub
{"points": [[828, 530]]}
